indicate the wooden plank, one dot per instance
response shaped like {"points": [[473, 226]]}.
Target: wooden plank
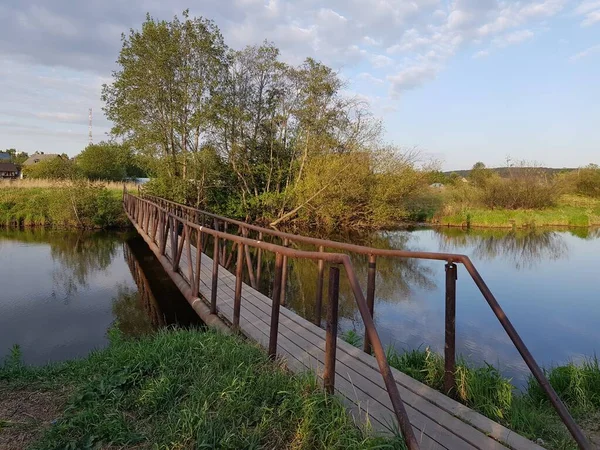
{"points": [[439, 421], [359, 387]]}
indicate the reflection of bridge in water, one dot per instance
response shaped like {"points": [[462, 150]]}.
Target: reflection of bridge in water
{"points": [[197, 248], [145, 296]]}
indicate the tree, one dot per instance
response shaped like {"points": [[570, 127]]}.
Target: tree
{"points": [[17, 157], [105, 161], [56, 168], [160, 98], [480, 174]]}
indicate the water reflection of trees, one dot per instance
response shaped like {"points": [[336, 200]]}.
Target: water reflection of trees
{"points": [[396, 277], [523, 248], [78, 255]]}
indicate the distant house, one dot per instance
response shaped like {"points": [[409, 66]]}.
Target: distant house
{"points": [[8, 171], [38, 157], [437, 185], [4, 157]]}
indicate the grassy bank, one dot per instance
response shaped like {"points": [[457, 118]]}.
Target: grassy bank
{"points": [[176, 389], [59, 204], [527, 412], [570, 211]]}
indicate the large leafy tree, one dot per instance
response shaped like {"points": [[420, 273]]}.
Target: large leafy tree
{"points": [[161, 95], [105, 161]]}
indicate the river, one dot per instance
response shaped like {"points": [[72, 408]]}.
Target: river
{"points": [[61, 291]]}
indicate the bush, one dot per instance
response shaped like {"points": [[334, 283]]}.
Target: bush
{"points": [[585, 181], [526, 189], [59, 168]]}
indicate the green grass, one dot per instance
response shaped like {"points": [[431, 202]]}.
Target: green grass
{"points": [[529, 413], [188, 389], [81, 205], [571, 211]]}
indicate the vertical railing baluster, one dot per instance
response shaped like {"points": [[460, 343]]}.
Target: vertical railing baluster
{"points": [[215, 272], [196, 286], [249, 261], [284, 275], [164, 232], [275, 305], [237, 299], [331, 329], [450, 345], [259, 261], [371, 277], [319, 299]]}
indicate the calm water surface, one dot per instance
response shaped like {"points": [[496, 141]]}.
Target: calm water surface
{"points": [[61, 291]]}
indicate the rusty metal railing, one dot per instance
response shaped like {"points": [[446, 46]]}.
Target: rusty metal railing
{"points": [[164, 211]]}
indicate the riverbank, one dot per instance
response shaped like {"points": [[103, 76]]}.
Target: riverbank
{"points": [[84, 205], [527, 412], [177, 388], [570, 211]]}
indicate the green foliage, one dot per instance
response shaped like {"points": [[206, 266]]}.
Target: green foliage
{"points": [[59, 168], [190, 389], [352, 338], [79, 205], [529, 413], [584, 181], [105, 161]]}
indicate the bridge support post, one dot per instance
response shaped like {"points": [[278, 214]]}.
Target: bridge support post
{"points": [[319, 299], [450, 339], [237, 299], [332, 329], [275, 305], [370, 297], [215, 273]]}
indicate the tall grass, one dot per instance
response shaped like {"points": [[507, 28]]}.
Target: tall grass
{"points": [[28, 183], [529, 413], [72, 205], [190, 389]]}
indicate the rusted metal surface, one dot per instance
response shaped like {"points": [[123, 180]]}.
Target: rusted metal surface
{"points": [[189, 216], [237, 298], [319, 299], [275, 306], [331, 329], [450, 334], [372, 274]]}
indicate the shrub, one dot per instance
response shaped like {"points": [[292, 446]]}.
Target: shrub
{"points": [[527, 189]]}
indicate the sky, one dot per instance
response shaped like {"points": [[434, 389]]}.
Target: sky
{"points": [[461, 80]]}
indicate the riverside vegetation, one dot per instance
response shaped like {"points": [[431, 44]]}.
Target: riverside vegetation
{"points": [[66, 204], [175, 389], [527, 412], [245, 135]]}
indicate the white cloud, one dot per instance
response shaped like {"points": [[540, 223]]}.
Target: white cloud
{"points": [[587, 52], [412, 77], [380, 61], [481, 54], [370, 78], [590, 10], [513, 38], [591, 18]]}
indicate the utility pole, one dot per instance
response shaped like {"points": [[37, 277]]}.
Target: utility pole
{"points": [[90, 127]]}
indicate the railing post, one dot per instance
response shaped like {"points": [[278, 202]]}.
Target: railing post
{"points": [[331, 330], [284, 272], [237, 299], [319, 299], [450, 345], [275, 307], [372, 274], [196, 281], [215, 272], [259, 260]]}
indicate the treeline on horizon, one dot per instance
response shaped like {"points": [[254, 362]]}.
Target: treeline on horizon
{"points": [[244, 134]]}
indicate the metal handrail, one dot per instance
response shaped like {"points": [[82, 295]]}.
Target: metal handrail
{"points": [[140, 211], [368, 302]]}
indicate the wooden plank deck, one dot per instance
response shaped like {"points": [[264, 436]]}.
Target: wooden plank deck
{"points": [[438, 421]]}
